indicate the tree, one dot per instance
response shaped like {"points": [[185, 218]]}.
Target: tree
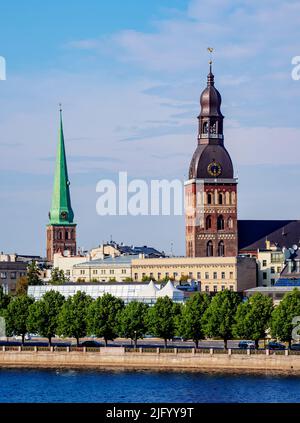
{"points": [[160, 319], [184, 278], [72, 319], [282, 317], [16, 315], [191, 321], [253, 318], [219, 318], [4, 300], [133, 321], [43, 315], [22, 285], [103, 317], [33, 274], [128, 279], [58, 277], [148, 279]]}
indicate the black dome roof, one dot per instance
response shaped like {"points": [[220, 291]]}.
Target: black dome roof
{"points": [[206, 154]]}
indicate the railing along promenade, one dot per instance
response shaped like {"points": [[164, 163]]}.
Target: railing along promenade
{"points": [[150, 358]]}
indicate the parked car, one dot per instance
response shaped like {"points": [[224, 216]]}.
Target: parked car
{"points": [[275, 346], [244, 345], [90, 344], [295, 347]]}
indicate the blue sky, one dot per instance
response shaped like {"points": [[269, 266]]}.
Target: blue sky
{"points": [[129, 75]]}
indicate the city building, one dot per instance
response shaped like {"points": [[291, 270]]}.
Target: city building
{"points": [[61, 231], [105, 269], [112, 248], [11, 269], [213, 274], [211, 191], [270, 262], [143, 292]]}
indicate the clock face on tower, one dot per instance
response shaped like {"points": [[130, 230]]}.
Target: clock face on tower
{"points": [[214, 169], [64, 215]]}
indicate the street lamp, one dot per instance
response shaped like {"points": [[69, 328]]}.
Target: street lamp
{"points": [[135, 340]]}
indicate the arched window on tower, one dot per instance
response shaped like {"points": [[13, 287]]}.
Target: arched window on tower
{"points": [[209, 249], [221, 249], [230, 223], [233, 197], [220, 223], [221, 198], [208, 222], [209, 198], [205, 128]]}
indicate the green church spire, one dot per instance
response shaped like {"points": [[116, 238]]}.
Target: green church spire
{"points": [[61, 212]]}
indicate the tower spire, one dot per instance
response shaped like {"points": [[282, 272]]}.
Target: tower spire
{"points": [[61, 210]]}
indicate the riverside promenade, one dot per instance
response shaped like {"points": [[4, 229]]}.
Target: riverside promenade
{"points": [[150, 358]]}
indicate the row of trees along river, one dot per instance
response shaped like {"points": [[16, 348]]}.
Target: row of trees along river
{"points": [[223, 316]]}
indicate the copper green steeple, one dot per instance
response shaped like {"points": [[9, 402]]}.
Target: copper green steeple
{"points": [[61, 212]]}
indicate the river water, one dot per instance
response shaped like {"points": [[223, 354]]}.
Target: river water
{"points": [[62, 385]]}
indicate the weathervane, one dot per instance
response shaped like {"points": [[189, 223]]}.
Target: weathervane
{"points": [[210, 50], [60, 107]]}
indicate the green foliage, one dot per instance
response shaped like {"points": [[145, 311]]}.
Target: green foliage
{"points": [[112, 279], [16, 315], [22, 285], [4, 301], [34, 274], [103, 317], [128, 279], [219, 318], [80, 280], [133, 320], [58, 277], [184, 278], [191, 321], [148, 279], [253, 318], [72, 319], [94, 280], [283, 314], [43, 315], [160, 319]]}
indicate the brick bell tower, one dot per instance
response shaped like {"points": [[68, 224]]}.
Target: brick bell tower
{"points": [[61, 231], [211, 191]]}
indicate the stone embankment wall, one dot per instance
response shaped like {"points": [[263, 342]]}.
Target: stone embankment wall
{"points": [[156, 359]]}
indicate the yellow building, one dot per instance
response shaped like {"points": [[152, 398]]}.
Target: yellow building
{"points": [[270, 263], [212, 273]]}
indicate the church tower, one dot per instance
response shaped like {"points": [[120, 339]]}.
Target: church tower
{"points": [[211, 191], [61, 231]]}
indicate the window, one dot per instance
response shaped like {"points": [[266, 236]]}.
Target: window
{"points": [[223, 275], [198, 275], [123, 271], [68, 272], [13, 275], [136, 276], [143, 275], [209, 249], [215, 288], [103, 271], [272, 269], [167, 274], [220, 223], [215, 275], [231, 287], [221, 198], [151, 275], [209, 198], [205, 128], [190, 275], [208, 222], [206, 275], [111, 271], [158, 276], [272, 282], [82, 272], [230, 223], [223, 288], [264, 275], [206, 288], [278, 269], [175, 274], [264, 263], [231, 275], [221, 249], [95, 272]]}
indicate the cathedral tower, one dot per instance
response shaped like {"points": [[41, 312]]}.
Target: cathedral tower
{"points": [[61, 231], [211, 191]]}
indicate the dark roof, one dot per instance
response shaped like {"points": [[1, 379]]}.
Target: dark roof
{"points": [[253, 233]]}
